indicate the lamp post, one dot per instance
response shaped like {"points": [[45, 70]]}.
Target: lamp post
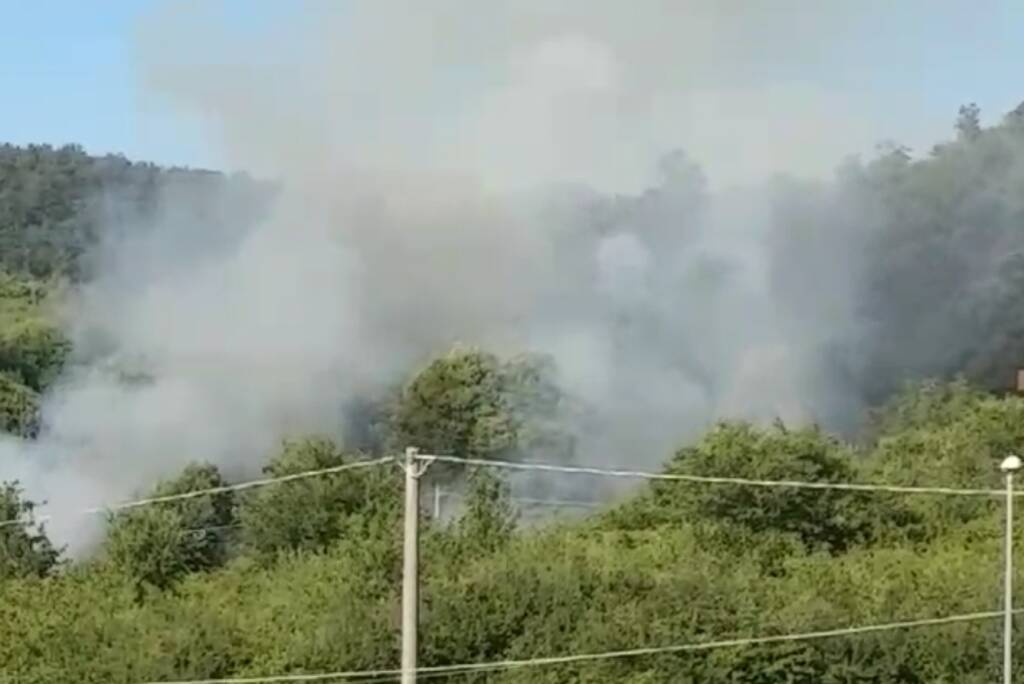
{"points": [[1010, 465]]}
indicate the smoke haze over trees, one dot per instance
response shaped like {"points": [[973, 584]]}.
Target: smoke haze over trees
{"points": [[657, 312], [506, 238]]}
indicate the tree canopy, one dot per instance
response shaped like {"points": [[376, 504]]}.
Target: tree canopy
{"points": [[311, 581], [57, 202]]}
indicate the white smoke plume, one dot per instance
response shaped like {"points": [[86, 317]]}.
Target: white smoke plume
{"points": [[460, 171]]}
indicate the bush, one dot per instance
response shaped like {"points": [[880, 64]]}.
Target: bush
{"points": [[19, 407], [160, 543], [827, 519], [25, 550], [32, 348], [312, 513]]}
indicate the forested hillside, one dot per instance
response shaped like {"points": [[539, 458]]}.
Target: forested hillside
{"points": [[56, 203], [303, 577], [57, 206]]}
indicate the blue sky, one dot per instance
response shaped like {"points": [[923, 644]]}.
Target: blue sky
{"points": [[68, 74], [66, 69]]}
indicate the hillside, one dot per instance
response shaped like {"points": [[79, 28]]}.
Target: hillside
{"points": [[57, 202], [302, 577], [57, 206]]}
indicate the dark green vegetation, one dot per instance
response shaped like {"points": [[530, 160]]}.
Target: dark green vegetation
{"points": [[938, 250], [57, 207], [304, 577], [57, 203]]}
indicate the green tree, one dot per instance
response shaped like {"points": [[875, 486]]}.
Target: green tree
{"points": [[471, 404], [456, 406], [926, 404], [57, 203], [827, 519], [19, 407], [153, 546], [160, 543], [947, 435], [487, 520], [32, 352], [25, 550], [314, 512]]}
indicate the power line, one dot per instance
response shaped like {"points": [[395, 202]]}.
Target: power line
{"points": [[423, 676], [250, 484], [375, 675], [709, 479], [545, 467], [567, 503], [554, 503]]}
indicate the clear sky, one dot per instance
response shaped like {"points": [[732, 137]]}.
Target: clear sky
{"points": [[68, 71], [67, 74]]}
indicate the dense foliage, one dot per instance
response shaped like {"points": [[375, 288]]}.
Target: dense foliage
{"points": [[32, 351], [55, 203], [472, 404], [304, 576], [157, 545], [942, 275], [25, 551]]}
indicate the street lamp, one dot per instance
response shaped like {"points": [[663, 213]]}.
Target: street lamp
{"points": [[1009, 466]]}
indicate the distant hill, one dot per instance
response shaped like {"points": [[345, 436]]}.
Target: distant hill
{"points": [[57, 201], [55, 204]]}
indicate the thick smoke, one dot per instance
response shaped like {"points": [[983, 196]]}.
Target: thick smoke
{"points": [[499, 177]]}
